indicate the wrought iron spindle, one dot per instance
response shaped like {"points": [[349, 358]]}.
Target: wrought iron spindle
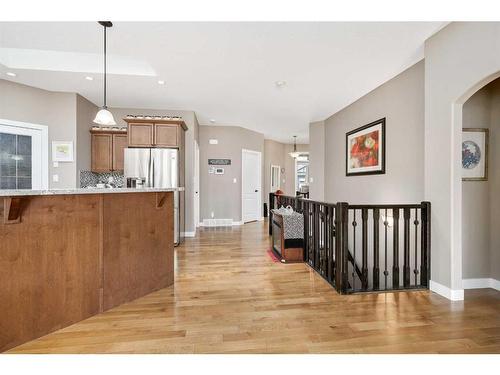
{"points": [[406, 258], [354, 224], [376, 270], [364, 247], [386, 272], [395, 248]]}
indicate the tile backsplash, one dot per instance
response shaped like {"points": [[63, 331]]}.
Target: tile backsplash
{"points": [[89, 178]]}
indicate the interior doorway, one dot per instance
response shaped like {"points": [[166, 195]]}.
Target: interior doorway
{"points": [[251, 185], [23, 155], [196, 183]]}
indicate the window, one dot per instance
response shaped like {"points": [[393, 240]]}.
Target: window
{"points": [[23, 155], [275, 178], [302, 172], [15, 161]]}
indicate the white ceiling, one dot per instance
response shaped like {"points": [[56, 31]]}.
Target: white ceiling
{"points": [[222, 71]]}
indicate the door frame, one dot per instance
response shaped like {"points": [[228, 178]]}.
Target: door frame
{"points": [[44, 133], [259, 201], [196, 183]]}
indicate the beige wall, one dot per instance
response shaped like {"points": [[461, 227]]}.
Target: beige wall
{"points": [[56, 110], [219, 194], [401, 102], [459, 60]]}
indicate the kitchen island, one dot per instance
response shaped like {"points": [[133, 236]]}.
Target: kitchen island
{"points": [[66, 255]]}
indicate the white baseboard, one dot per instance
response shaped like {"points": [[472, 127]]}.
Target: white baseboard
{"points": [[451, 294], [219, 223], [481, 283], [237, 222], [189, 234]]}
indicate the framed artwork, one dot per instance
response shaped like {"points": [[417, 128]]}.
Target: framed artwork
{"points": [[475, 154], [365, 149], [62, 151]]}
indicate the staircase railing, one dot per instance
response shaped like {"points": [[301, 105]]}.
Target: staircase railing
{"points": [[363, 248]]}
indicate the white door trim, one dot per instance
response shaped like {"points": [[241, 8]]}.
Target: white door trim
{"points": [[44, 131], [259, 198], [196, 190]]}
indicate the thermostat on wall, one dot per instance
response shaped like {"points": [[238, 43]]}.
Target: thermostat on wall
{"points": [[219, 170]]}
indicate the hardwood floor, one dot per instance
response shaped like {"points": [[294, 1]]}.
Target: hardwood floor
{"points": [[229, 297]]}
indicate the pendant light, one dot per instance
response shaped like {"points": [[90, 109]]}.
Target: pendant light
{"points": [[294, 154], [104, 117]]}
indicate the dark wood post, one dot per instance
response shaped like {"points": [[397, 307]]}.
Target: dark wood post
{"points": [[425, 253], [271, 206], [341, 277]]}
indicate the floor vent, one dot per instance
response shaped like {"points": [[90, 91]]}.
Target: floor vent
{"points": [[217, 222]]}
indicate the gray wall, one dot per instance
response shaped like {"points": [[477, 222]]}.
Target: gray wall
{"points": [[85, 114], [476, 197], [56, 110], [494, 180], [459, 60], [218, 192], [317, 161], [274, 154], [401, 102]]}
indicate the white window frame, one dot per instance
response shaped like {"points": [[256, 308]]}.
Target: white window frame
{"points": [[272, 187]]}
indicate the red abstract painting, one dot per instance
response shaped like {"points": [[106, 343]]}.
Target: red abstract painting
{"points": [[364, 150]]}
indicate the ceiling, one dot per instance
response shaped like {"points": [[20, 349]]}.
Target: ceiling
{"points": [[225, 71]]}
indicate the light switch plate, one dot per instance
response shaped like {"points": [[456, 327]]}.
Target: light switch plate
{"points": [[311, 180], [55, 178], [234, 180], [55, 164], [213, 141]]}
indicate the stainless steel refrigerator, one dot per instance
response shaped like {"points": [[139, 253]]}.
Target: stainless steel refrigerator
{"points": [[160, 168]]}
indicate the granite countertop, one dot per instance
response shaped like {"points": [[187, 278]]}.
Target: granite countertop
{"points": [[76, 191]]}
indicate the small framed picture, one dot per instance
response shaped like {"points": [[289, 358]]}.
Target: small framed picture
{"points": [[365, 149], [62, 151], [475, 154]]}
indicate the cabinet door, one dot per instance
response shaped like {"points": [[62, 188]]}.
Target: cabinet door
{"points": [[140, 135], [101, 152], [166, 135], [120, 142]]}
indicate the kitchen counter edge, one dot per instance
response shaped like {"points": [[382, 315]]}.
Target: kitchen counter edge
{"points": [[77, 191]]}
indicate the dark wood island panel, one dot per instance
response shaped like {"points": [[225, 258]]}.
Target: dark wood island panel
{"points": [[72, 256]]}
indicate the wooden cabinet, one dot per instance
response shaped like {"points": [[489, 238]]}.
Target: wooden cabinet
{"points": [[166, 135], [107, 151], [120, 142], [160, 133], [140, 135]]}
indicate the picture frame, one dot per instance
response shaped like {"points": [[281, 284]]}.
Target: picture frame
{"points": [[365, 149], [475, 154], [62, 151]]}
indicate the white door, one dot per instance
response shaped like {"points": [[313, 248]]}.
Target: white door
{"points": [[23, 155], [196, 185], [251, 185]]}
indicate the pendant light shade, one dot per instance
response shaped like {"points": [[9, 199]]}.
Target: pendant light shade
{"points": [[294, 154], [105, 117]]}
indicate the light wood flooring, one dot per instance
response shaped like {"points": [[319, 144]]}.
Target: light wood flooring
{"points": [[229, 297]]}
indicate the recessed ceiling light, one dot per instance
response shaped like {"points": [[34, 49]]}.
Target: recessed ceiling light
{"points": [[88, 78], [10, 74], [160, 82], [212, 121], [280, 84]]}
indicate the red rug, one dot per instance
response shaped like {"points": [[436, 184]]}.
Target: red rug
{"points": [[273, 256]]}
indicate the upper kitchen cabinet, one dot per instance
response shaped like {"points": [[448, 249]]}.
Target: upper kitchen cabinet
{"points": [[107, 151], [156, 133]]}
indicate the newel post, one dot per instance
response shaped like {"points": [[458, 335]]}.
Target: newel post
{"points": [[341, 227], [271, 206], [425, 261]]}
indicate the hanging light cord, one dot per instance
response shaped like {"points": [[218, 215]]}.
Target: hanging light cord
{"points": [[105, 76]]}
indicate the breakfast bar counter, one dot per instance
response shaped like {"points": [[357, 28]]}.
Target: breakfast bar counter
{"points": [[66, 255]]}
